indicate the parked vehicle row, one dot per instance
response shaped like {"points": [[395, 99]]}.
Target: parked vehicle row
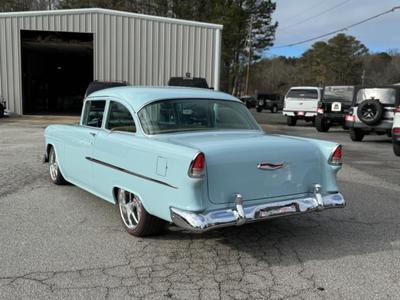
{"points": [[361, 109]]}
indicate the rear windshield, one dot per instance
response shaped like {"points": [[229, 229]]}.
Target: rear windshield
{"points": [[302, 93], [195, 114], [339, 93], [384, 95]]}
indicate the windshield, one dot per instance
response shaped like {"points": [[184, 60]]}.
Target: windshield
{"points": [[384, 95], [195, 114], [339, 93], [302, 93]]}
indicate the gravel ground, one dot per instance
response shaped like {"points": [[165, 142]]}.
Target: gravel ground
{"points": [[62, 242]]}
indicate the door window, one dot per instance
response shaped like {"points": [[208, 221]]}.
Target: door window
{"points": [[120, 119], [93, 113]]}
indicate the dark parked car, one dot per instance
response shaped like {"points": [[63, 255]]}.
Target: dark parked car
{"points": [[188, 81], [372, 111], [272, 102], [250, 101], [334, 105], [101, 85]]}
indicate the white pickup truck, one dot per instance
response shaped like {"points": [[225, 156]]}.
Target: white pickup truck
{"points": [[396, 131], [301, 103]]}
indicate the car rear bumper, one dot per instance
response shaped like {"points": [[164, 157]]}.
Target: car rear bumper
{"points": [[333, 117], [299, 114], [240, 215]]}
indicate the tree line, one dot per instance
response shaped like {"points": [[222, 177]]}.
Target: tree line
{"points": [[342, 60]]}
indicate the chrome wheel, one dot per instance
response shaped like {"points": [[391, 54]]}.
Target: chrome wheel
{"points": [[53, 165], [130, 209]]}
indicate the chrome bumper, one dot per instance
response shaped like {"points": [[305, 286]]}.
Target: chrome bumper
{"points": [[241, 215]]}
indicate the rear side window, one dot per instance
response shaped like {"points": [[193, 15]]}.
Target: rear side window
{"points": [[303, 93], [120, 119], [384, 95], [93, 113]]}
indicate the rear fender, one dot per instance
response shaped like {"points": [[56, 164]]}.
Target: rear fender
{"points": [[329, 184]]}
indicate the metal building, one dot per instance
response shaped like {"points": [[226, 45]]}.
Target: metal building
{"points": [[47, 58]]}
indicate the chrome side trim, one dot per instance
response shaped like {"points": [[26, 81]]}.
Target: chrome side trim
{"points": [[230, 217], [129, 172]]}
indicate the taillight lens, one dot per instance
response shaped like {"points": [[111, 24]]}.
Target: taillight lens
{"points": [[350, 118], [320, 111], [396, 130], [336, 156], [198, 165], [397, 109]]}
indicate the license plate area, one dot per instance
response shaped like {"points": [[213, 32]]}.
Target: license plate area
{"points": [[300, 113], [336, 106], [277, 211]]}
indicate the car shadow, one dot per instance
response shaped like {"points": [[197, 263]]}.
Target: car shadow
{"points": [[361, 228]]}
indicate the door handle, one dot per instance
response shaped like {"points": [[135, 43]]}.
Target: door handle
{"points": [[92, 133]]}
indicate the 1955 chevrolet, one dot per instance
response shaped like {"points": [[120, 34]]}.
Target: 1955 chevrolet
{"points": [[193, 157]]}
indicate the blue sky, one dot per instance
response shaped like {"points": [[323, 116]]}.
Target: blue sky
{"points": [[378, 35]]}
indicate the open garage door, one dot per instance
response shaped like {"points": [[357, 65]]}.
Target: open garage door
{"points": [[56, 70]]}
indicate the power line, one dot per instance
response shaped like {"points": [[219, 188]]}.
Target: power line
{"points": [[339, 30], [302, 12], [316, 15]]}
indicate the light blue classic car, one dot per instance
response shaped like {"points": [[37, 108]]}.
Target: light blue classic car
{"points": [[192, 157]]}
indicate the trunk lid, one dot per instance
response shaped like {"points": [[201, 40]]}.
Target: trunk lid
{"points": [[232, 160]]}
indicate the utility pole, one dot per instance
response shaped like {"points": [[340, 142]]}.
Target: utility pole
{"points": [[249, 58], [363, 77]]}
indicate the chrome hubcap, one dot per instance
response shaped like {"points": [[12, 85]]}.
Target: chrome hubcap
{"points": [[53, 166], [130, 208]]}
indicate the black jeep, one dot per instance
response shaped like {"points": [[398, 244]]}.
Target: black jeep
{"points": [[249, 101], [372, 111], [272, 102], [334, 105]]}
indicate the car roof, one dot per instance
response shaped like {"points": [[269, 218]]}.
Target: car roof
{"points": [[138, 97]]}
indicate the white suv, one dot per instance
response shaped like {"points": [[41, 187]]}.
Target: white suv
{"points": [[301, 103], [396, 131]]}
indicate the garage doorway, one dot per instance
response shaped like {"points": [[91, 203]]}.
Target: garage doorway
{"points": [[56, 70]]}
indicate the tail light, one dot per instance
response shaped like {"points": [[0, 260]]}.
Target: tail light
{"points": [[397, 109], [197, 166], [336, 156], [320, 111], [396, 130], [350, 118]]}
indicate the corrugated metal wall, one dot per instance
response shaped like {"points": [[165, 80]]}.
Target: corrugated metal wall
{"points": [[142, 50]]}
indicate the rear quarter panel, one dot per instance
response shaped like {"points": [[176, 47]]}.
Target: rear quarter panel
{"points": [[157, 173], [57, 137], [329, 184]]}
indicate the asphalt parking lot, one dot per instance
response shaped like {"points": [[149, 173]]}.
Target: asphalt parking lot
{"points": [[62, 242]]}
